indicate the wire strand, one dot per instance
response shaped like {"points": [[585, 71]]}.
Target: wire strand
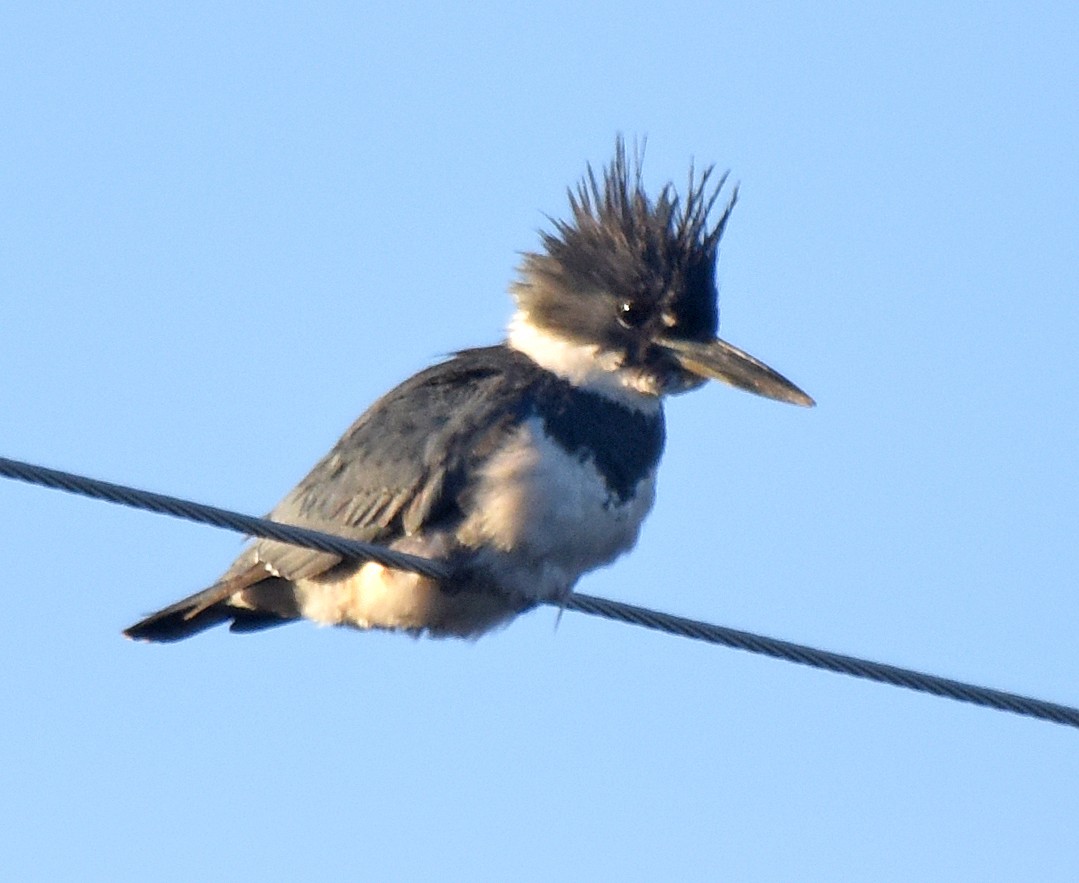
{"points": [[836, 662], [589, 604], [223, 518]]}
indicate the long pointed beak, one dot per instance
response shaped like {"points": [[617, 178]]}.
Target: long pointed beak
{"points": [[718, 360]]}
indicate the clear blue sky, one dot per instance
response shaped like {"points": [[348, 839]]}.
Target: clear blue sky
{"points": [[227, 228]]}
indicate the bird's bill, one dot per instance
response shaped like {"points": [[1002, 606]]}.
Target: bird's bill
{"points": [[718, 360]]}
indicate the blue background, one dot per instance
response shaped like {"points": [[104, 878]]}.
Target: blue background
{"points": [[225, 229]]}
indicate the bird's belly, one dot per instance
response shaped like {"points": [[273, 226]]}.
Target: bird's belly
{"points": [[542, 516], [374, 596]]}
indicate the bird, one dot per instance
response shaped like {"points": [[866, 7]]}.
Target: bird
{"points": [[519, 466]]}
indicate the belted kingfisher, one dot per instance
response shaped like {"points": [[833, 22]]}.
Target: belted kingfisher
{"points": [[523, 465]]}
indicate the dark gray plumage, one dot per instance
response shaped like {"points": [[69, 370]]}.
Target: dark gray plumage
{"points": [[651, 264]]}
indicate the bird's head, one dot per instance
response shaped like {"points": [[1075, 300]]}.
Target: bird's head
{"points": [[626, 287]]}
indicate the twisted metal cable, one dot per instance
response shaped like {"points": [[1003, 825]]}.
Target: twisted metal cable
{"points": [[614, 610], [811, 656], [234, 521]]}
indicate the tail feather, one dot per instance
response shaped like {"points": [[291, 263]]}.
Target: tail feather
{"points": [[250, 607], [184, 618]]}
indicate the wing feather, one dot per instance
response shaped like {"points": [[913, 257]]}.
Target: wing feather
{"points": [[401, 466]]}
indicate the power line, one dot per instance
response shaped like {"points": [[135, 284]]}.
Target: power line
{"points": [[223, 518], [614, 610], [811, 656]]}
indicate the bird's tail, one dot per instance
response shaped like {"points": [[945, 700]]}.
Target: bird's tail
{"points": [[252, 607]]}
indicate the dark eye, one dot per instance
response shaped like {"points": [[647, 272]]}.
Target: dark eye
{"points": [[631, 315]]}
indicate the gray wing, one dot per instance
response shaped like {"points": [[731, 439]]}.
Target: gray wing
{"points": [[402, 466]]}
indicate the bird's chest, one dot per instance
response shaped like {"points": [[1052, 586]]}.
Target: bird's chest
{"points": [[544, 507]]}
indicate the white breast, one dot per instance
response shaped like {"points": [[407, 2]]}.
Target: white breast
{"points": [[542, 517]]}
